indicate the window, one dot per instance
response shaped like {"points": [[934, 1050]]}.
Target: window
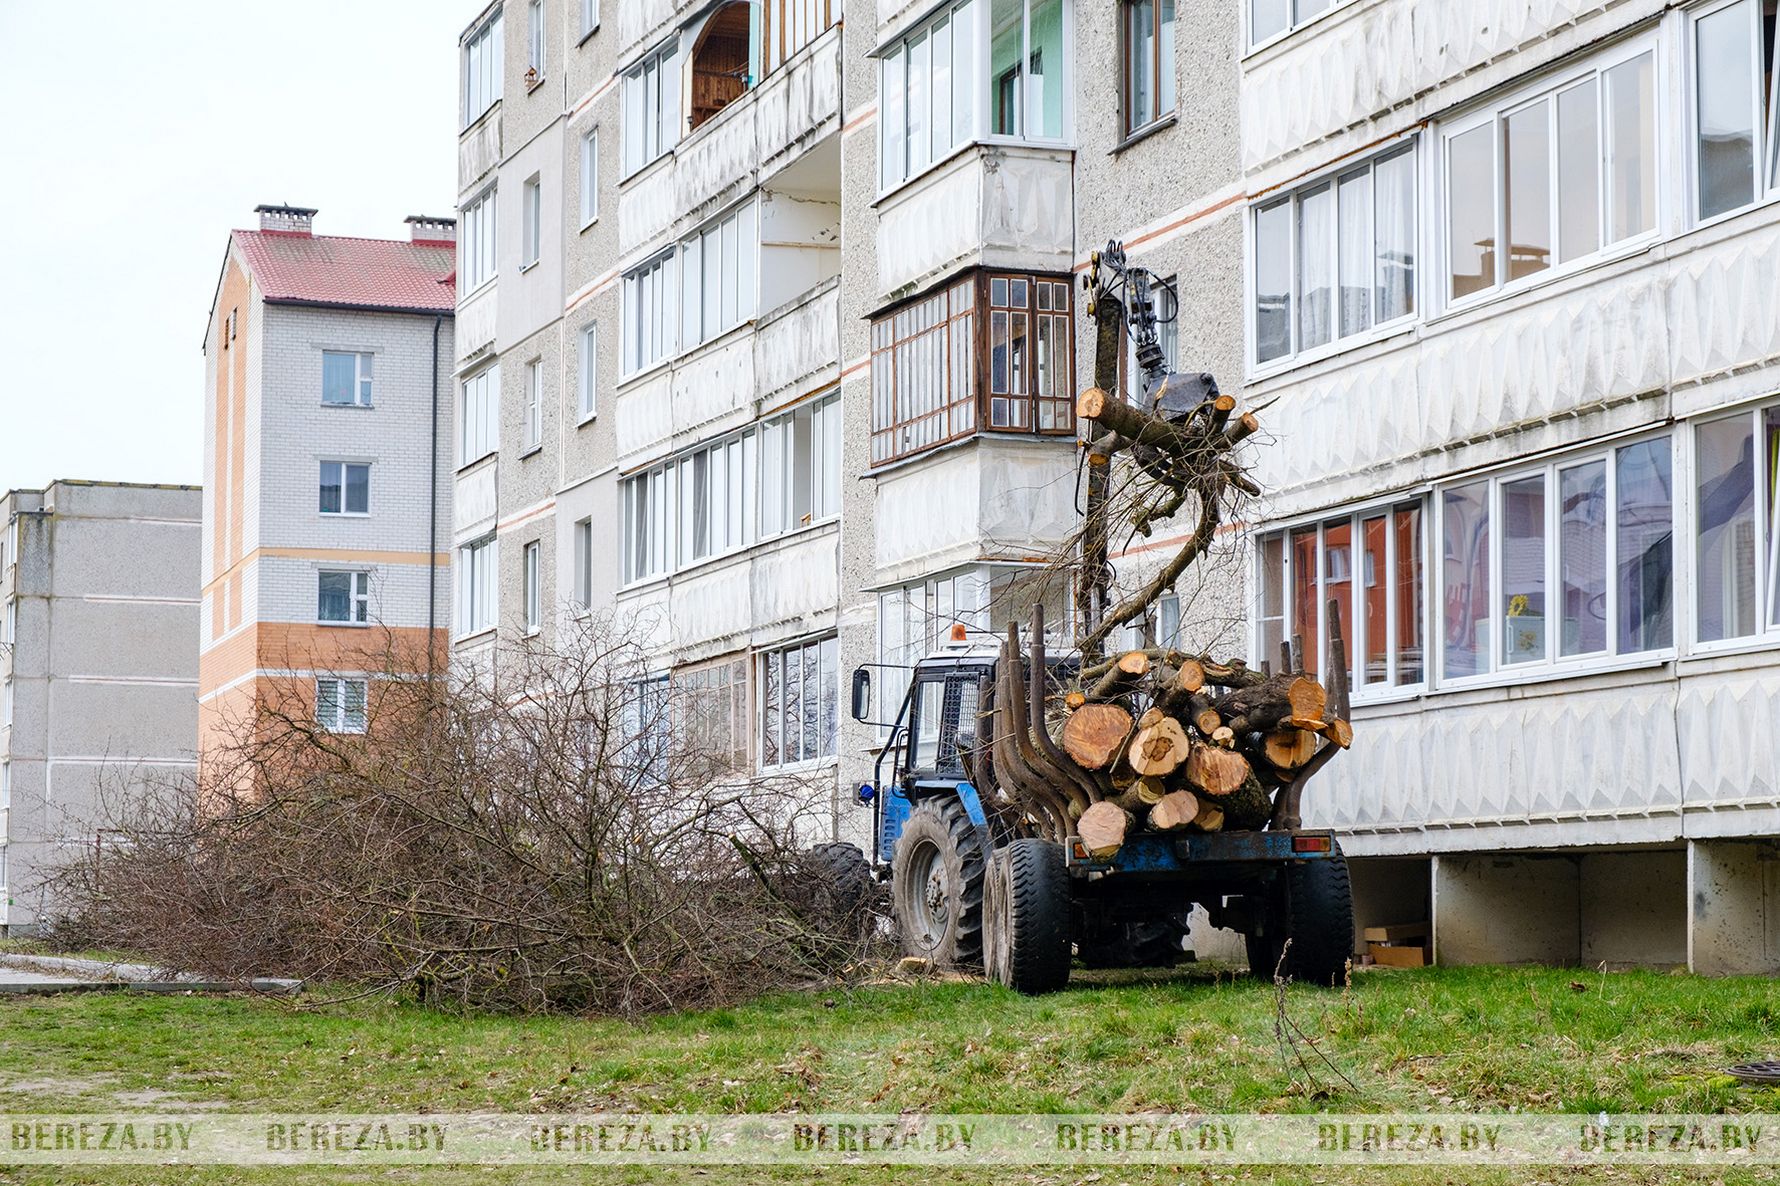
{"points": [[534, 404], [651, 108], [1560, 564], [1149, 62], [482, 58], [477, 253], [533, 593], [478, 586], [718, 267], [534, 41], [1270, 18], [583, 536], [1557, 177], [715, 701], [929, 366], [721, 60], [590, 177], [647, 727], [587, 372], [799, 702], [345, 378], [343, 597], [345, 488], [777, 477], [340, 705], [1335, 259], [532, 222], [478, 416], [792, 24], [1371, 562], [1737, 526], [1735, 104], [590, 16], [649, 313]]}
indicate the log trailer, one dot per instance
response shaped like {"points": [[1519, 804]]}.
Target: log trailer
{"points": [[1045, 807]]}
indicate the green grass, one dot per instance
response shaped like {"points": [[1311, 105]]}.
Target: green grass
{"points": [[1485, 1039]]}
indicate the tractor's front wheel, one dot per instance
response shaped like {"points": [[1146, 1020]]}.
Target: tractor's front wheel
{"points": [[937, 884]]}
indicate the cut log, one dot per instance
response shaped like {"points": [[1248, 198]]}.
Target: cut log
{"points": [[1289, 749], [1207, 721], [1224, 736], [1210, 817], [1340, 732], [1308, 724], [1074, 701], [1248, 806], [1143, 793], [1263, 707], [1093, 734], [1125, 675], [1176, 811], [1216, 772], [1102, 829], [1160, 749], [1246, 426], [1150, 717]]}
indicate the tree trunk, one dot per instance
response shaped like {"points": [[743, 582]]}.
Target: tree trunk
{"points": [[1177, 811], [1216, 772], [1094, 733], [1160, 749], [1102, 829]]}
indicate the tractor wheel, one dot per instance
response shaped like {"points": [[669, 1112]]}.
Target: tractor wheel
{"points": [[1026, 917], [841, 885], [1158, 943], [1315, 910], [937, 884]]}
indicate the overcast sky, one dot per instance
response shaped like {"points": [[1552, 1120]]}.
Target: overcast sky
{"points": [[134, 137]]}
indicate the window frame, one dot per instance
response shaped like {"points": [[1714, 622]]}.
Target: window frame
{"points": [[479, 583], [531, 220], [659, 138], [1766, 542], [1555, 665], [777, 47], [480, 243], [342, 722], [364, 367], [1130, 129], [691, 262], [345, 485], [827, 731], [590, 177], [587, 356], [970, 415], [358, 599], [532, 433], [590, 18], [1330, 179], [581, 548], [1766, 147], [476, 50], [531, 577], [1546, 87], [664, 302], [535, 40], [1354, 517], [487, 426]]}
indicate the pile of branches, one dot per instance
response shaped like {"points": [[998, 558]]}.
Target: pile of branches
{"points": [[534, 836]]}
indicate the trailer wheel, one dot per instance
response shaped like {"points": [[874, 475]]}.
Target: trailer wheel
{"points": [[937, 884], [1026, 917], [1315, 909]]}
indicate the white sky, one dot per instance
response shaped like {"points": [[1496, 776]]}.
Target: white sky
{"points": [[134, 137]]}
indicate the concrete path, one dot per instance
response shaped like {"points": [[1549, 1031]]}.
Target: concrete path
{"points": [[49, 973]]}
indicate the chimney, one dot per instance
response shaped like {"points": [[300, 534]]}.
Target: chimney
{"points": [[286, 220], [431, 232]]}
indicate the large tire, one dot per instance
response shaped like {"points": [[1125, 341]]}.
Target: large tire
{"points": [[1026, 917], [1151, 943], [936, 875], [1316, 911], [841, 887]]}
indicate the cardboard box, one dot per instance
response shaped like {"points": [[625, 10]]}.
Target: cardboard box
{"points": [[1398, 956]]}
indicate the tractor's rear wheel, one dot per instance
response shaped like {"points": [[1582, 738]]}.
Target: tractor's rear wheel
{"points": [[937, 884], [1026, 917], [1314, 908]]}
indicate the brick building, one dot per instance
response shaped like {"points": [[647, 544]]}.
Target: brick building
{"points": [[326, 476]]}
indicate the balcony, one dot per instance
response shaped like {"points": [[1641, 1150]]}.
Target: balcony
{"points": [[479, 148], [748, 143], [792, 351], [992, 204]]}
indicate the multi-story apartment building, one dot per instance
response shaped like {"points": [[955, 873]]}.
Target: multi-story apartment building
{"points": [[98, 667], [1495, 271], [327, 469]]}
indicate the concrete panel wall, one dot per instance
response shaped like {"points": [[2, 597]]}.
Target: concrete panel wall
{"points": [[1506, 909], [1634, 908], [1733, 891]]}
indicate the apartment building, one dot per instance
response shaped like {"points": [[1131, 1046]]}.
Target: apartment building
{"points": [[327, 470], [98, 667], [1497, 272]]}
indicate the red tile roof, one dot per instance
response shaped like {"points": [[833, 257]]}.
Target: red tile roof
{"points": [[358, 273]]}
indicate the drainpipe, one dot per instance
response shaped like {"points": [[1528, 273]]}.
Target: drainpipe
{"points": [[432, 522]]}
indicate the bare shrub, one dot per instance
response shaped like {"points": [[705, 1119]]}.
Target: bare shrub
{"points": [[537, 834]]}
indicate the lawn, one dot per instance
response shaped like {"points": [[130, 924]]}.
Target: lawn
{"points": [[1467, 1039]]}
